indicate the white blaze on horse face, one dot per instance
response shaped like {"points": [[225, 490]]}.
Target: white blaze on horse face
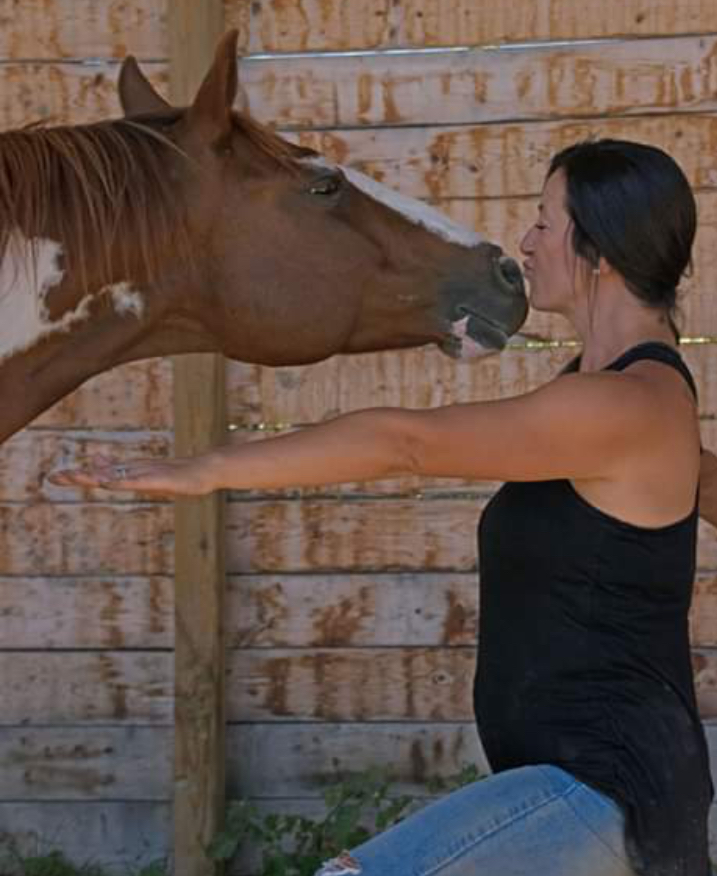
{"points": [[414, 210]]}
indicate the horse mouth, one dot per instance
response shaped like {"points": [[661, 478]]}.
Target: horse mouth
{"points": [[472, 336], [471, 332]]}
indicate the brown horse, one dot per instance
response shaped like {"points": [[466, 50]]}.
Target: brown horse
{"points": [[198, 229]]}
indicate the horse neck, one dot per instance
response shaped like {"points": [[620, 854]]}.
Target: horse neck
{"points": [[44, 356], [53, 337], [76, 258]]}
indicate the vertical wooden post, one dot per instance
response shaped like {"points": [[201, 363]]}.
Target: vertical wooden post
{"points": [[199, 422]]}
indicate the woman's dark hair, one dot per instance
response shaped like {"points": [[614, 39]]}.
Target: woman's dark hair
{"points": [[631, 204]]}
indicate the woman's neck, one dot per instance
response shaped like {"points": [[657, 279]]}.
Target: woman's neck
{"points": [[596, 356], [616, 322]]}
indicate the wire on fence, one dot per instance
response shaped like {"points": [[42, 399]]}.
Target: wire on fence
{"points": [[531, 344]]}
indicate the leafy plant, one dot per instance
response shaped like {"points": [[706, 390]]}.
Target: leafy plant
{"points": [[468, 774], [358, 807], [155, 868], [54, 863]]}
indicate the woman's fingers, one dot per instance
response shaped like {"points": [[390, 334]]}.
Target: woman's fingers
{"points": [[86, 475], [173, 477]]}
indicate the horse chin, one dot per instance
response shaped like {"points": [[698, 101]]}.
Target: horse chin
{"points": [[473, 338]]}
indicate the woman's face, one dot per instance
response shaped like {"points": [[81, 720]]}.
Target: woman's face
{"points": [[553, 271]]}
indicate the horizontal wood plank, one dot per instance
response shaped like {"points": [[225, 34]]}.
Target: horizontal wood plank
{"points": [[269, 611], [263, 760], [475, 86], [119, 834], [334, 685], [53, 29], [60, 93], [372, 535], [370, 611], [267, 762], [317, 25], [394, 684], [316, 535], [137, 396], [368, 535], [480, 86], [100, 687], [503, 160], [56, 539], [87, 612], [86, 763], [83, 28], [298, 760]]}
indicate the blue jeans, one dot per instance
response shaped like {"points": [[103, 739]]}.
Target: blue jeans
{"points": [[532, 821]]}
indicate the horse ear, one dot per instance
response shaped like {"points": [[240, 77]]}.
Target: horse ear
{"points": [[215, 99], [136, 93]]}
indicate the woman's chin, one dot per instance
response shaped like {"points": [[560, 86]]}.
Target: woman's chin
{"points": [[539, 300], [535, 300]]}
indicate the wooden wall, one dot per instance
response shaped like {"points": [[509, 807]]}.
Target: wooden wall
{"points": [[351, 613]]}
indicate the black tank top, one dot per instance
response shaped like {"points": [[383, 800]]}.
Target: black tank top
{"points": [[584, 656]]}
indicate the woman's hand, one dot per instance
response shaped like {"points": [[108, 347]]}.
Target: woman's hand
{"points": [[165, 477]]}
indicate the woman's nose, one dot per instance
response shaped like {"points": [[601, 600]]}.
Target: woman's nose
{"points": [[526, 244]]}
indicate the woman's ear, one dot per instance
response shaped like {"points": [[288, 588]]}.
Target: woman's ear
{"points": [[604, 268]]}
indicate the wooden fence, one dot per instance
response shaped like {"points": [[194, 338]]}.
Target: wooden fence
{"points": [[351, 613]]}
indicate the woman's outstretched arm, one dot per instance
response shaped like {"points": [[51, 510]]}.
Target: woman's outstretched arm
{"points": [[365, 445], [578, 426]]}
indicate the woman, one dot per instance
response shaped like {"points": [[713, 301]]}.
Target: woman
{"points": [[584, 694]]}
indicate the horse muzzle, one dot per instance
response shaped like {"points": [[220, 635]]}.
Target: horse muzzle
{"points": [[482, 325]]}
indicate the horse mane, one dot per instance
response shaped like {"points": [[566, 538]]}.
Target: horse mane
{"points": [[101, 189]]}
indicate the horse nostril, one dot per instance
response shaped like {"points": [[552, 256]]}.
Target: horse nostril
{"points": [[509, 271]]}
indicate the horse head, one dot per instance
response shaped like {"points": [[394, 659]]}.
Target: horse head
{"points": [[297, 259], [198, 229]]}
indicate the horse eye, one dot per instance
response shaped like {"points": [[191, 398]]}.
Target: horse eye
{"points": [[329, 185]]}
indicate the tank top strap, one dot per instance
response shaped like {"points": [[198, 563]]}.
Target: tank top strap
{"points": [[655, 350]]}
